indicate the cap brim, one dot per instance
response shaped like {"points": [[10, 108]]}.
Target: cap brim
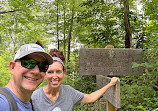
{"points": [[47, 56]]}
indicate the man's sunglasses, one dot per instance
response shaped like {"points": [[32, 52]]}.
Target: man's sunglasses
{"points": [[31, 63]]}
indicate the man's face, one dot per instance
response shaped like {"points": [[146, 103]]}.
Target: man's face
{"points": [[27, 79]]}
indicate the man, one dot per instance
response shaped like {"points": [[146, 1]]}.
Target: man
{"points": [[27, 70]]}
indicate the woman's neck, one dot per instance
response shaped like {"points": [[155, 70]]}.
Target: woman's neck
{"points": [[51, 93]]}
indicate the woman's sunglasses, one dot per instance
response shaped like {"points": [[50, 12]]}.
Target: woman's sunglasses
{"points": [[31, 63]]}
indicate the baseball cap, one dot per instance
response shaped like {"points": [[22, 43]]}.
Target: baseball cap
{"points": [[32, 48]]}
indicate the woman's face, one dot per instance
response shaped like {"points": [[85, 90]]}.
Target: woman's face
{"points": [[55, 74]]}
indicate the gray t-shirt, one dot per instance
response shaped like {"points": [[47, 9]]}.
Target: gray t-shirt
{"points": [[68, 97]]}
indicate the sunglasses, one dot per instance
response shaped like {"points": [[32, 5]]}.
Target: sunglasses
{"points": [[31, 63]]}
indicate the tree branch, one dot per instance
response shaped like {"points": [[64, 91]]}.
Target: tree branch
{"points": [[8, 11]]}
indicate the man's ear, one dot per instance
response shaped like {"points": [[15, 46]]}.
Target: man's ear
{"points": [[11, 66]]}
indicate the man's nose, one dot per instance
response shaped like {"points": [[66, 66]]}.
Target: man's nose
{"points": [[35, 70]]}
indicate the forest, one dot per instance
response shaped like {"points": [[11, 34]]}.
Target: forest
{"points": [[69, 25]]}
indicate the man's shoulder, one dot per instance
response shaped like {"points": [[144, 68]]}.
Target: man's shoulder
{"points": [[4, 105]]}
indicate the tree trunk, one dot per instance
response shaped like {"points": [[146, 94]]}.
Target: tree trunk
{"points": [[64, 30], [57, 25], [128, 36], [70, 34]]}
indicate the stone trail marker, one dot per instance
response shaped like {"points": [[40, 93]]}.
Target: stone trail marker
{"points": [[110, 61], [113, 61]]}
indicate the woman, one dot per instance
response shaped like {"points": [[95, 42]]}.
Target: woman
{"points": [[58, 97]]}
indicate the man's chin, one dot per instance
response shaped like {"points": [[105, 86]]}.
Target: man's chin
{"points": [[30, 88]]}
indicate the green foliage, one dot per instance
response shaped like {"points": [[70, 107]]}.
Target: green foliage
{"points": [[96, 24], [99, 105], [5, 75], [138, 94]]}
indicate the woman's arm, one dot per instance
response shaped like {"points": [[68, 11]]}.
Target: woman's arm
{"points": [[89, 98]]}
